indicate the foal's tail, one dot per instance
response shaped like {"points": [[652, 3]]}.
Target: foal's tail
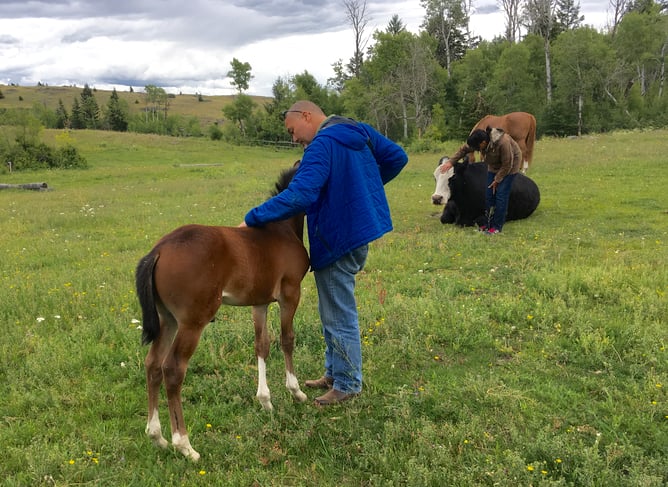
{"points": [[146, 295]]}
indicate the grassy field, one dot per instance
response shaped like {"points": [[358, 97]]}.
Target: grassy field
{"points": [[207, 109], [536, 357]]}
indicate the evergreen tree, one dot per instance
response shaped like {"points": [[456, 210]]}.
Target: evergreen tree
{"points": [[116, 115], [395, 26], [568, 15], [77, 120], [447, 21], [62, 118], [90, 111]]}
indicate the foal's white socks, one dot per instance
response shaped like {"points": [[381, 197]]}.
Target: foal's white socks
{"points": [[292, 384], [154, 431], [181, 443], [264, 396]]}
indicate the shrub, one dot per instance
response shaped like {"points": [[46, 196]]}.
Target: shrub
{"points": [[40, 156], [214, 132]]}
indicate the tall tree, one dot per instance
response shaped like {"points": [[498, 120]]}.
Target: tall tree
{"points": [[395, 25], [240, 74], [117, 113], [511, 12], [568, 15], [157, 103], [89, 109], [617, 9], [240, 111], [447, 21], [62, 117], [540, 20], [583, 61], [640, 43], [415, 81], [513, 85], [357, 17], [76, 119], [306, 87], [338, 81]]}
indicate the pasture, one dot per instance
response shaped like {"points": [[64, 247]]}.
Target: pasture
{"points": [[536, 357]]}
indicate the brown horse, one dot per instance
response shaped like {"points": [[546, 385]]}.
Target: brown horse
{"points": [[521, 126], [186, 277]]}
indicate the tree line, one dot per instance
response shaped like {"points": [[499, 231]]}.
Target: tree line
{"points": [[426, 88], [435, 85]]}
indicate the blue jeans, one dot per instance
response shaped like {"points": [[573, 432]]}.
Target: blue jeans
{"points": [[340, 325], [498, 201]]}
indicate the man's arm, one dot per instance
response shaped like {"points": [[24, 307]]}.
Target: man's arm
{"points": [[463, 150], [390, 156]]}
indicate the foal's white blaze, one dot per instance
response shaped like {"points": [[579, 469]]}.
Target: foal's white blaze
{"points": [[153, 430], [263, 394], [292, 384], [182, 444]]}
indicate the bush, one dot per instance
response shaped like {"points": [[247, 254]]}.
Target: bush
{"points": [[68, 157], [40, 156], [214, 132]]}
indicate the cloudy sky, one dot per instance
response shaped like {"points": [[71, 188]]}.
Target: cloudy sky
{"points": [[187, 46]]}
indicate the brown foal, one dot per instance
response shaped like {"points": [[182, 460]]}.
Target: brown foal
{"points": [[183, 281]]}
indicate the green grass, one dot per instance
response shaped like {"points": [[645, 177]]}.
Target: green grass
{"points": [[537, 357]]}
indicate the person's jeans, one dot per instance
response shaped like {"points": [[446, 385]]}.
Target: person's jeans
{"points": [[497, 203], [340, 325]]}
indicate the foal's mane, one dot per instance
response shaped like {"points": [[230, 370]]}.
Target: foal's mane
{"points": [[284, 179]]}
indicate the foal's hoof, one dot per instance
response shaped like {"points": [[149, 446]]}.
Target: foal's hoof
{"points": [[160, 442], [157, 439], [266, 405], [182, 445], [190, 454], [300, 396]]}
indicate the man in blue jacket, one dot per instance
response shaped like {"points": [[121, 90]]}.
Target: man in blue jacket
{"points": [[339, 185]]}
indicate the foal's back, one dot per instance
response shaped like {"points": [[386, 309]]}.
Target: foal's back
{"points": [[200, 267]]}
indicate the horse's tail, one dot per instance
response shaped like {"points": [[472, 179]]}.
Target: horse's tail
{"points": [[146, 295], [531, 138]]}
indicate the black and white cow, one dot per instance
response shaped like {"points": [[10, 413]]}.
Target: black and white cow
{"points": [[465, 205], [442, 191]]}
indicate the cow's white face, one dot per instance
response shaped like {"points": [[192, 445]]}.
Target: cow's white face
{"points": [[442, 192]]}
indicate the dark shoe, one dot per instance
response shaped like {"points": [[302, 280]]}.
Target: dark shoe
{"points": [[333, 397], [321, 383]]}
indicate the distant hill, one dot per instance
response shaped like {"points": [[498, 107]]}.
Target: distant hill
{"points": [[207, 109]]}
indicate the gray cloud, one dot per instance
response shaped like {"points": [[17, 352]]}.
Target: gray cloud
{"points": [[5, 39], [173, 43]]}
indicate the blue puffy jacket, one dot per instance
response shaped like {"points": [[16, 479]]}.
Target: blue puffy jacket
{"points": [[339, 185]]}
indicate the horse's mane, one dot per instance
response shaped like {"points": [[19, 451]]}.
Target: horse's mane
{"points": [[284, 179]]}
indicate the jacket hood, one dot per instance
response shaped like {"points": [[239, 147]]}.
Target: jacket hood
{"points": [[345, 131], [495, 134]]}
